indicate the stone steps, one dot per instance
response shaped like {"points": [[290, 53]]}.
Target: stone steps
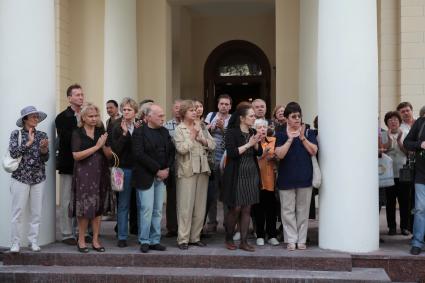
{"points": [[218, 259], [88, 274]]}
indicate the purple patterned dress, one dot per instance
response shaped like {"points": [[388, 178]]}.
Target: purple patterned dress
{"points": [[91, 179]]}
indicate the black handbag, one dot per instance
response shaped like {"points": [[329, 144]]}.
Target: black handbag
{"points": [[407, 173]]}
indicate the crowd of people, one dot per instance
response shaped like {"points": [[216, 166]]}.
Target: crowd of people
{"points": [[260, 169]]}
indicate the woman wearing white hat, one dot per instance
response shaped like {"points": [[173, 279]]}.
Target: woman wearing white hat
{"points": [[28, 179]]}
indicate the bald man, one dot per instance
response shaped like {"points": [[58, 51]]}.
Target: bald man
{"points": [[154, 152]]}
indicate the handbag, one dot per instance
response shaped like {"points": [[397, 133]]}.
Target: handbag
{"points": [[407, 172], [117, 175], [317, 174], [385, 171], [11, 164]]}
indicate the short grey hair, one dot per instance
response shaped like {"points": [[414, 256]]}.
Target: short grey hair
{"points": [[144, 109], [261, 122]]}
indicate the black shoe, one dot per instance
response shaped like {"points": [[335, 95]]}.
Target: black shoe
{"points": [[171, 234], [405, 232], [198, 244], [69, 241], [122, 243], [183, 246], [392, 232], [99, 249], [83, 250], [381, 240], [144, 248], [157, 247], [415, 250]]}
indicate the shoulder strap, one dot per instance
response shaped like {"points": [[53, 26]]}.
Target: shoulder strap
{"points": [[212, 116]]}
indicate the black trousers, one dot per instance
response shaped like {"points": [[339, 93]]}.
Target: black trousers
{"points": [[399, 192], [265, 213]]}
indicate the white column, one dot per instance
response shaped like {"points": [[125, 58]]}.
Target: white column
{"points": [[27, 77], [348, 125], [120, 69], [307, 83]]}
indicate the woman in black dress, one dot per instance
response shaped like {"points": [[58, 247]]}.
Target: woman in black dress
{"points": [[91, 179], [241, 179]]}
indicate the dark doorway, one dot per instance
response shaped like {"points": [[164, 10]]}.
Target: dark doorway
{"points": [[239, 91], [239, 69]]}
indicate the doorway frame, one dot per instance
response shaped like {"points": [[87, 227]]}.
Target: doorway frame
{"points": [[211, 78]]}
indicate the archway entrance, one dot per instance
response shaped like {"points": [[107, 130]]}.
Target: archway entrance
{"points": [[238, 68]]}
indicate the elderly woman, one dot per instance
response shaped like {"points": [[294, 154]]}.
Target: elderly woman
{"points": [[265, 211], [28, 179], [393, 146], [295, 174], [415, 141], [192, 175], [241, 178], [91, 179], [121, 145]]}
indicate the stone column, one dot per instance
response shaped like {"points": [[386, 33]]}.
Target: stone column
{"points": [[120, 65], [348, 125], [154, 52], [27, 77]]}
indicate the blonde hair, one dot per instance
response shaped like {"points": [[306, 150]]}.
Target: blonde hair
{"points": [[185, 105], [130, 102], [83, 113]]}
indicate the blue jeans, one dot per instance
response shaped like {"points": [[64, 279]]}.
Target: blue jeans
{"points": [[419, 220], [123, 206], [149, 207]]}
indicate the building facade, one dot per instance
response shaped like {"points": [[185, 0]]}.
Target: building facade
{"points": [[344, 60]]}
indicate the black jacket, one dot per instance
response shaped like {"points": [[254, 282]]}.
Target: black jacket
{"points": [[234, 139], [145, 155], [413, 142], [65, 123]]}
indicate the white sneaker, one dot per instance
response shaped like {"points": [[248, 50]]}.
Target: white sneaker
{"points": [[260, 242], [237, 236], [34, 247], [273, 242], [14, 248]]}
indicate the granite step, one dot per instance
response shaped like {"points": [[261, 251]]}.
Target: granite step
{"points": [[89, 274], [213, 258]]}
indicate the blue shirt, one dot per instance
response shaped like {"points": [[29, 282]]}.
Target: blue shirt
{"points": [[295, 169]]}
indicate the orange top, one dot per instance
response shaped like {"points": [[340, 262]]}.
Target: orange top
{"points": [[267, 167]]}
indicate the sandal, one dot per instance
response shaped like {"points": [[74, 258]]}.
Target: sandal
{"points": [[302, 246], [290, 247]]}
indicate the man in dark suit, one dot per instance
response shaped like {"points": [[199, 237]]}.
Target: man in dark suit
{"points": [[65, 123], [153, 152]]}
